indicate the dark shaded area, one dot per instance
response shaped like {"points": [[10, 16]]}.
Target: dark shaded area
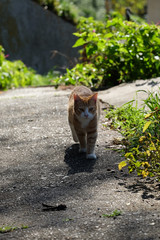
{"points": [[150, 83], [76, 161], [60, 207], [149, 188]]}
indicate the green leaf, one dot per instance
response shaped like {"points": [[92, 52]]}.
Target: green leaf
{"points": [[79, 42], [108, 35], [77, 34], [114, 214], [149, 115], [80, 34], [122, 164], [6, 229], [146, 125]]}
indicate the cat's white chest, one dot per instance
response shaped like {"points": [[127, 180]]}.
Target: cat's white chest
{"points": [[84, 122]]}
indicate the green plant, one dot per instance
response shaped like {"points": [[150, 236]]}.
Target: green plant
{"points": [[68, 219], [142, 150], [145, 158], [114, 214], [120, 51], [128, 120], [16, 74], [80, 75], [5, 229]]}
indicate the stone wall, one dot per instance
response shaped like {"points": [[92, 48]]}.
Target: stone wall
{"points": [[30, 33]]}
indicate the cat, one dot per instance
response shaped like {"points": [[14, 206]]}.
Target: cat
{"points": [[83, 116]]}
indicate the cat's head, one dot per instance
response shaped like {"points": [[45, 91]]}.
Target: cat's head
{"points": [[85, 107]]}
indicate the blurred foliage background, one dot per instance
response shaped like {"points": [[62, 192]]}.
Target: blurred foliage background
{"points": [[73, 10], [137, 7]]}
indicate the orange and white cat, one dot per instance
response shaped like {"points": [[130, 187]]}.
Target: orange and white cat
{"points": [[83, 116]]}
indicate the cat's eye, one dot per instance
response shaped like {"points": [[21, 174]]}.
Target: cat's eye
{"points": [[81, 109], [91, 108]]}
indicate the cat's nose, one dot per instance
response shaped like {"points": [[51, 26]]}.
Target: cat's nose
{"points": [[86, 115]]}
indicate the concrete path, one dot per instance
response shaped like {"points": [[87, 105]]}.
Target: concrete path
{"points": [[40, 164], [126, 92]]}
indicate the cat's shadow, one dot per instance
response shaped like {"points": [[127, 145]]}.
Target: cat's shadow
{"points": [[76, 161]]}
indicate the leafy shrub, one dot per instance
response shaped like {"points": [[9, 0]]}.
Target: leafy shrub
{"points": [[142, 133], [16, 74], [81, 74], [128, 120], [120, 51], [145, 158]]}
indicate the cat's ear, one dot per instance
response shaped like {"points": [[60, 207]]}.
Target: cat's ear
{"points": [[76, 97], [94, 96]]}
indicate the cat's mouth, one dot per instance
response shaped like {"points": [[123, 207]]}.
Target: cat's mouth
{"points": [[87, 118]]}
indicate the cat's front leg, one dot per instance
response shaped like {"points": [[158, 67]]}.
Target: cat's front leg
{"points": [[82, 140], [91, 141]]}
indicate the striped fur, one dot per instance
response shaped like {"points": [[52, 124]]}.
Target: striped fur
{"points": [[83, 116]]}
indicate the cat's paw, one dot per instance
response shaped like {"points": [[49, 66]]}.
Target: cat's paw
{"points": [[82, 150], [91, 156]]}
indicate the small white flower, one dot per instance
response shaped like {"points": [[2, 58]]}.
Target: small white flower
{"points": [[156, 57]]}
